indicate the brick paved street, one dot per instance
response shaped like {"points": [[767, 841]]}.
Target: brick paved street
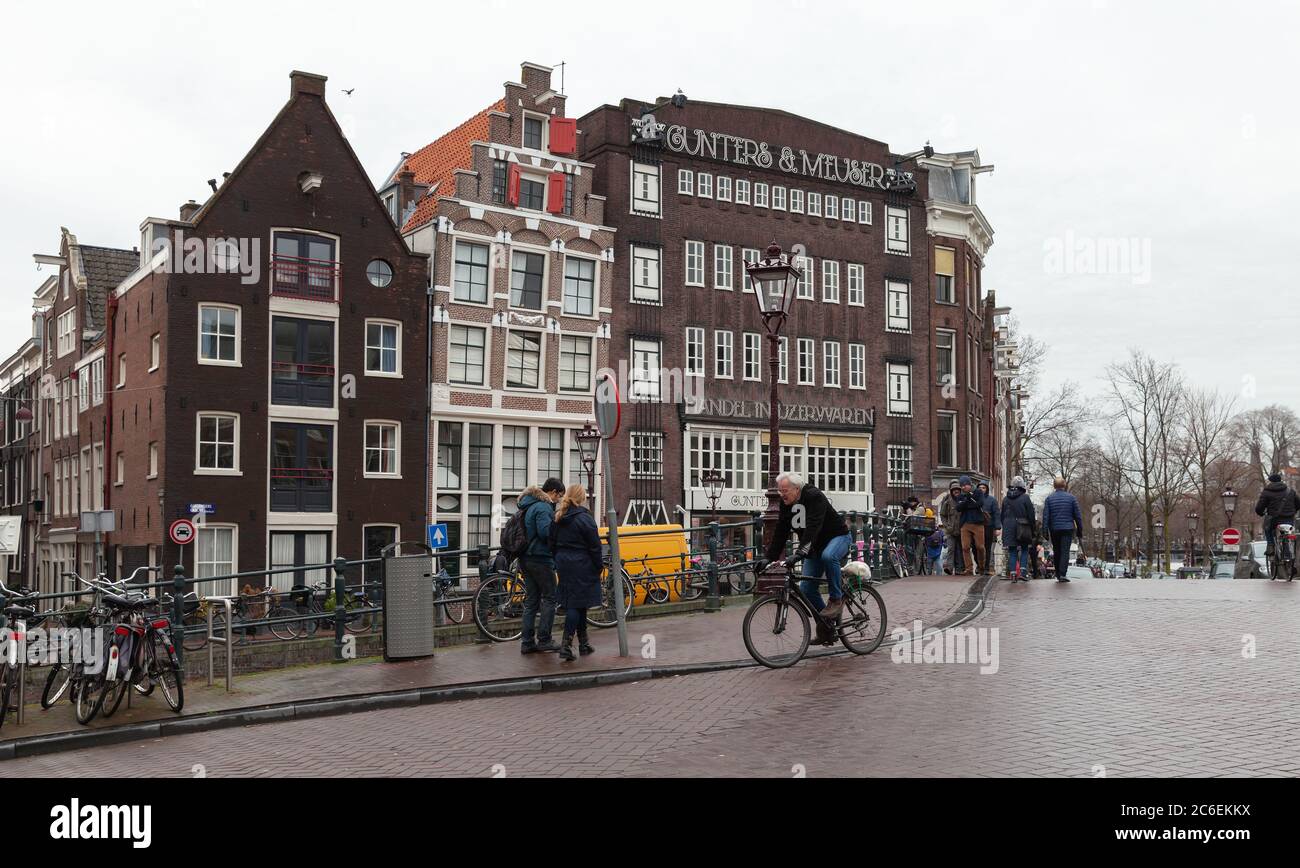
{"points": [[1144, 678], [693, 638]]}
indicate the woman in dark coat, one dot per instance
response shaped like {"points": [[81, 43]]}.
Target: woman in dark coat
{"points": [[578, 561]]}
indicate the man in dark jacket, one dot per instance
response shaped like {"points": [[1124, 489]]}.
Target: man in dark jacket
{"points": [[1277, 504], [992, 530], [950, 520], [823, 540], [1062, 518], [538, 567], [971, 508], [1018, 531]]}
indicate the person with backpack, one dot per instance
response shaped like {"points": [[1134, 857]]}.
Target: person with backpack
{"points": [[575, 540], [934, 553], [1018, 530], [527, 537]]}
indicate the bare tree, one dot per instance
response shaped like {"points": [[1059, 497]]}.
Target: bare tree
{"points": [[1208, 445], [1270, 436], [1052, 426]]}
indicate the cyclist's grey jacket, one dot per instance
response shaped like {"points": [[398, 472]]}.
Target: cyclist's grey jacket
{"points": [[1277, 500], [821, 524], [576, 543]]}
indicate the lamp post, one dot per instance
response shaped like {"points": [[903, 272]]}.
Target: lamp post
{"points": [[1160, 543], [774, 277], [713, 483], [589, 449], [1137, 547], [1193, 521], [1229, 498]]}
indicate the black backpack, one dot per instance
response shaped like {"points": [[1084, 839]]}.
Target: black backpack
{"points": [[514, 536]]}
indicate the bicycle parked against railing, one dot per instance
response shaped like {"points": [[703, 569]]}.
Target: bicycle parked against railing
{"points": [[141, 656], [19, 616], [778, 626], [499, 603]]}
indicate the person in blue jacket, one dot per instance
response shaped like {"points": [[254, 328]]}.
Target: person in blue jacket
{"points": [[538, 567], [992, 530], [1062, 518]]}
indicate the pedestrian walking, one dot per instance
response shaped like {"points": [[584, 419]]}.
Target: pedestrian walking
{"points": [[1018, 531], [993, 529], [1062, 518], [973, 517], [950, 518], [538, 567], [575, 541]]}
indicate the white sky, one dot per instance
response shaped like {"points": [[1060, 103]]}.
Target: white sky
{"points": [[1170, 123]]}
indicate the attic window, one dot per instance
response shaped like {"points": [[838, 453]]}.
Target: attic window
{"points": [[309, 181], [534, 132]]}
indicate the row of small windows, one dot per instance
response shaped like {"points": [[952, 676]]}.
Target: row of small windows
{"points": [[472, 279], [468, 352], [830, 206]]}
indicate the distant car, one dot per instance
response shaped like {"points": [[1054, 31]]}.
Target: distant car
{"points": [[1074, 571], [1191, 573], [1223, 569], [1117, 571]]}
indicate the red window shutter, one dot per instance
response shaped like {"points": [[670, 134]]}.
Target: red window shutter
{"points": [[555, 192], [564, 136], [512, 188]]}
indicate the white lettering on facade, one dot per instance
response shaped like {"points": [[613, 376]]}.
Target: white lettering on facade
{"points": [[748, 152]]}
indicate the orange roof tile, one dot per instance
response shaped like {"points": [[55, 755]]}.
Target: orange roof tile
{"points": [[436, 163]]}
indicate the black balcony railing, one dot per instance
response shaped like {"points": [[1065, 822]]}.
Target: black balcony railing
{"points": [[302, 489], [309, 279], [302, 385]]}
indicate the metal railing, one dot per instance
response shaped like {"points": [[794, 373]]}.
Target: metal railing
{"points": [[309, 279]]}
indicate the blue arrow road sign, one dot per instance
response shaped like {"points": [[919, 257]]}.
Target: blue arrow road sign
{"points": [[437, 536]]}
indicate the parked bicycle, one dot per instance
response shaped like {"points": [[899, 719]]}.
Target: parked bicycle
{"points": [[499, 604], [1282, 565], [778, 626], [19, 616]]}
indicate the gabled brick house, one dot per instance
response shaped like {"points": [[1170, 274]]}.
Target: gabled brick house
{"points": [[521, 273]]}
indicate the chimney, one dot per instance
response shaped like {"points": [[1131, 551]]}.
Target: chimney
{"points": [[406, 192], [306, 82], [188, 210]]}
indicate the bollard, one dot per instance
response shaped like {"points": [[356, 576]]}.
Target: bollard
{"points": [[178, 614], [714, 602], [340, 608], [483, 569], [855, 553]]}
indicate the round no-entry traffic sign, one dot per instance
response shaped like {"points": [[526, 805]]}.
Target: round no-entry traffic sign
{"points": [[1230, 537], [182, 531]]}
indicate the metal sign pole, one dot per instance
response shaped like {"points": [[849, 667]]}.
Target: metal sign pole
{"points": [[615, 574]]}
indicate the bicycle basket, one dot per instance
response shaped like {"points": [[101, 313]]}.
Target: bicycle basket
{"points": [[770, 580], [76, 616], [920, 524]]}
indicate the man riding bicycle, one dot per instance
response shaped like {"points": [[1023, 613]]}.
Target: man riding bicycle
{"points": [[823, 541], [1277, 504]]}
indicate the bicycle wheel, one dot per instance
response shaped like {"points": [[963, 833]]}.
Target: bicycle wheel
{"points": [[657, 590], [111, 697], [87, 691], [165, 671], [606, 615], [457, 609], [863, 621], [691, 586], [196, 631], [56, 684], [776, 632], [238, 634], [498, 608], [8, 675], [743, 579], [285, 629]]}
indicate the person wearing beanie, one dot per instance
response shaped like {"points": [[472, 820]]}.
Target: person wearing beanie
{"points": [[973, 518], [1018, 529], [1278, 504], [950, 521], [537, 565]]}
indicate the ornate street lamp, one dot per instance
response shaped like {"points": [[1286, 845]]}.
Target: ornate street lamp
{"points": [[713, 484], [1160, 543], [589, 450], [1193, 520], [1229, 503], [775, 278]]}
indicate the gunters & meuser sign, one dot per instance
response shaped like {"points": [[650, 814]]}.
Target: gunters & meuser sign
{"points": [[748, 152]]}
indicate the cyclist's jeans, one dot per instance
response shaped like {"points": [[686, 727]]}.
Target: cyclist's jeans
{"points": [[825, 563], [539, 600], [1018, 560]]}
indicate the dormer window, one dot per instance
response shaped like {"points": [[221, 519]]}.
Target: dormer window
{"points": [[532, 194]]}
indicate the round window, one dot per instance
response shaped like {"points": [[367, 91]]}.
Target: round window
{"points": [[380, 273]]}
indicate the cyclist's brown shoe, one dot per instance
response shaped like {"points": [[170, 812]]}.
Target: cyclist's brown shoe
{"points": [[833, 609]]}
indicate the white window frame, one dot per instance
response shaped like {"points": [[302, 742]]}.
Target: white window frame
{"points": [[397, 448], [898, 238], [199, 469], [806, 348], [724, 355], [831, 364], [704, 185], [951, 350], [639, 442], [647, 176], [778, 197], [643, 253], [489, 288], [722, 192], [392, 375], [591, 367], [212, 587], [806, 287], [155, 351], [796, 200], [832, 206], [239, 324], [546, 132], [895, 322], [487, 354], [760, 194], [595, 286], [685, 182], [753, 357], [857, 284], [814, 204], [694, 250], [956, 441], [541, 360], [647, 388], [858, 366], [748, 255], [724, 266], [695, 351], [783, 360], [831, 281], [864, 212], [153, 460], [119, 468], [121, 370], [847, 206], [900, 454], [96, 382], [742, 191], [67, 330], [898, 374]]}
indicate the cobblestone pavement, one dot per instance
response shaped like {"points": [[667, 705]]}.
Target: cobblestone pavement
{"points": [[1121, 677], [698, 637]]}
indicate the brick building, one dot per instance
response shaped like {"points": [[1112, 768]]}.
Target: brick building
{"points": [[20, 450], [522, 274], [274, 367], [694, 198]]}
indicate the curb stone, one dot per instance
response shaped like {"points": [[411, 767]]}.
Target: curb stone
{"points": [[970, 607]]}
